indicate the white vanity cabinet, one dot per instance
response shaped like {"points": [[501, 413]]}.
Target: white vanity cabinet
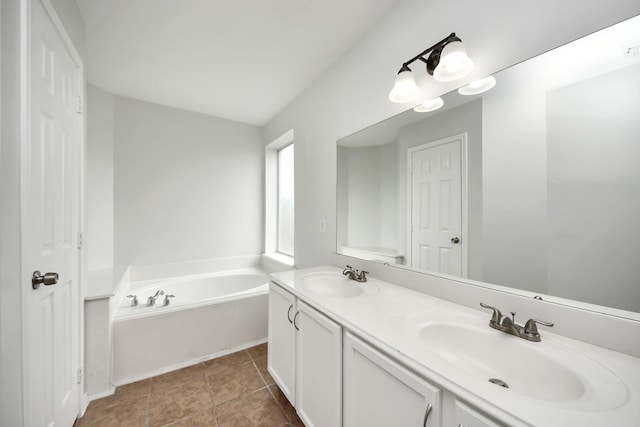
{"points": [[468, 417], [281, 358], [305, 358], [380, 392], [319, 369]]}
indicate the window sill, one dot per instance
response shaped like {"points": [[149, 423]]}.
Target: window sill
{"points": [[285, 260]]}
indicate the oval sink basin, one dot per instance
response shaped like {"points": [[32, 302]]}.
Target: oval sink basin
{"points": [[330, 284], [544, 371]]}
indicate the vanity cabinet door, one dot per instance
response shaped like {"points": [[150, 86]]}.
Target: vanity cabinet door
{"points": [[467, 417], [378, 392], [281, 360], [319, 369]]}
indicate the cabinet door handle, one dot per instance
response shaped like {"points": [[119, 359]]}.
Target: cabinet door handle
{"points": [[426, 414], [289, 313], [294, 321]]}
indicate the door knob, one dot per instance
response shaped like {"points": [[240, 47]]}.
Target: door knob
{"points": [[455, 240], [47, 279]]}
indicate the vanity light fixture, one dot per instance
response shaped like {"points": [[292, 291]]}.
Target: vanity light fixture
{"points": [[479, 86], [429, 105], [447, 61]]}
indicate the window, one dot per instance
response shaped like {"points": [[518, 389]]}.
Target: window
{"points": [[279, 199], [285, 201]]}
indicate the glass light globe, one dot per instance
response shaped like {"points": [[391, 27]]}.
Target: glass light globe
{"points": [[405, 88]]}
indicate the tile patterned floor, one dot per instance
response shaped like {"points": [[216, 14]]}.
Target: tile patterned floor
{"points": [[231, 391]]}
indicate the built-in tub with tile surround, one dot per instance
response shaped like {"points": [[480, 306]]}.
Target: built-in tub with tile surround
{"points": [[210, 314]]}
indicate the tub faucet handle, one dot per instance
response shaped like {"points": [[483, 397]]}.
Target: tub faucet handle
{"points": [[166, 299], [134, 300]]}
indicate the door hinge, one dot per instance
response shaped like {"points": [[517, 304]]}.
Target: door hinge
{"points": [[80, 240], [79, 105], [80, 375]]}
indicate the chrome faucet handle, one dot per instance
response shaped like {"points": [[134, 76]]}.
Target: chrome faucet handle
{"points": [[134, 300], [496, 317], [362, 277], [531, 328], [166, 299]]}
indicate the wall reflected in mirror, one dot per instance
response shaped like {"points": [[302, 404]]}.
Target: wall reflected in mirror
{"points": [[534, 185]]}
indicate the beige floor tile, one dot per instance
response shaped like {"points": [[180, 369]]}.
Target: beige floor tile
{"points": [[130, 414], [192, 374], [137, 389], [202, 419], [258, 351], [261, 364], [178, 402], [225, 362], [123, 394], [288, 410], [185, 398], [234, 382], [257, 409]]}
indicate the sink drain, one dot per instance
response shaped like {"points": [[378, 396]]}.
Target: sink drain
{"points": [[499, 382]]}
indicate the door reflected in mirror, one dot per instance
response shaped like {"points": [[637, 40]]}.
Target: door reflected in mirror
{"points": [[534, 185]]}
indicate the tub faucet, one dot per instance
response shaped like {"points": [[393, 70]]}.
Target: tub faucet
{"points": [[508, 325], [134, 300], [358, 276], [167, 300], [151, 301]]}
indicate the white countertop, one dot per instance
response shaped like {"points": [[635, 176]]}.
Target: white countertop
{"points": [[103, 283], [385, 317]]}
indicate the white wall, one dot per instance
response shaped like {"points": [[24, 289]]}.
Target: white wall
{"points": [[73, 22], [352, 93], [593, 169], [99, 232], [526, 156], [186, 186], [364, 180], [515, 182], [10, 260]]}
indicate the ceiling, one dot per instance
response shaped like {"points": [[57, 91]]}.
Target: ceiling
{"points": [[242, 60]]}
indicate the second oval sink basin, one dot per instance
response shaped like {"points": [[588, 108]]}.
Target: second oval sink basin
{"points": [[330, 284], [544, 371]]}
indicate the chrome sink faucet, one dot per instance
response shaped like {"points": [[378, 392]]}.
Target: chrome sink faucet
{"points": [[508, 325], [358, 276]]}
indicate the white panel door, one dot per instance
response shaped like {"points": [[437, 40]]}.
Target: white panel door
{"points": [[281, 359], [378, 392], [319, 369], [51, 155], [435, 198]]}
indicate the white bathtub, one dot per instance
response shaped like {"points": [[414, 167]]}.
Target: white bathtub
{"points": [[210, 315], [192, 291]]}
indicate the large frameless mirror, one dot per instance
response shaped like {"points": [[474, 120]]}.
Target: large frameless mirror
{"points": [[533, 185]]}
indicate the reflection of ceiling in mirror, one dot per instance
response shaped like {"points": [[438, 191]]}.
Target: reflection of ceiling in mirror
{"points": [[594, 55], [386, 131]]}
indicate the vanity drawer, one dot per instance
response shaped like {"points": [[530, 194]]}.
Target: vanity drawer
{"points": [[468, 417]]}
